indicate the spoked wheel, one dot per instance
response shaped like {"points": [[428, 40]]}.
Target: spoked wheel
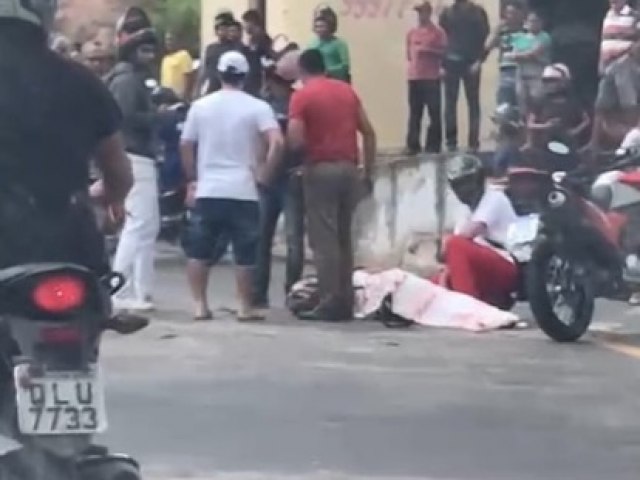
{"points": [[561, 298]]}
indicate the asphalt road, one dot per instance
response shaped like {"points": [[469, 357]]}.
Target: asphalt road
{"points": [[286, 400]]}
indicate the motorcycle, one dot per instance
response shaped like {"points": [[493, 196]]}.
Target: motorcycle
{"points": [[584, 251], [52, 399]]}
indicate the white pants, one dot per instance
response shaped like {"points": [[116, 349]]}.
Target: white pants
{"points": [[135, 255]]}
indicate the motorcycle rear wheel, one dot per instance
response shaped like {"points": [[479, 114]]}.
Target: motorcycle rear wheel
{"points": [[553, 283]]}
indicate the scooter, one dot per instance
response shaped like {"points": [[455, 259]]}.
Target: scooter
{"points": [[583, 251], [52, 401]]}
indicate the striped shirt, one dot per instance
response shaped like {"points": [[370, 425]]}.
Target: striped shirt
{"points": [[618, 32]]}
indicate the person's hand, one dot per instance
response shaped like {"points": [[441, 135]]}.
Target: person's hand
{"points": [[96, 191], [114, 218], [190, 196], [475, 67], [366, 179]]}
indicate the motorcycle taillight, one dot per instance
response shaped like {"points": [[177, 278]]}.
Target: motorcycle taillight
{"points": [[59, 294]]}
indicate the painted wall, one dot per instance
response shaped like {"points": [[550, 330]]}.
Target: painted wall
{"points": [[375, 31]]}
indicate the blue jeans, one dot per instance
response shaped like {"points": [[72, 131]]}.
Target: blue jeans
{"points": [[285, 197], [507, 87]]}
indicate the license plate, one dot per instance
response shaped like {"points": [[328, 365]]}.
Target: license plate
{"points": [[60, 404], [524, 230]]}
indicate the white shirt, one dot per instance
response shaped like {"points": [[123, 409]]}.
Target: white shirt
{"points": [[228, 126], [631, 140], [496, 212]]}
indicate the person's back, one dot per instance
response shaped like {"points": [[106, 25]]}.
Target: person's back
{"points": [[331, 119], [230, 143], [53, 115]]}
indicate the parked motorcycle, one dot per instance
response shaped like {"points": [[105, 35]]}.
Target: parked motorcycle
{"points": [[584, 251], [52, 397]]}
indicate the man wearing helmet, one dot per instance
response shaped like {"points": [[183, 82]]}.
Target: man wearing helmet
{"points": [[557, 115], [476, 262], [128, 84], [55, 115]]}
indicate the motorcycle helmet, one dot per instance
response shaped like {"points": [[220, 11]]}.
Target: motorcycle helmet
{"points": [[466, 175], [557, 71], [40, 13], [133, 41]]}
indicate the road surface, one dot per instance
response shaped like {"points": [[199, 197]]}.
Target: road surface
{"points": [[286, 400]]}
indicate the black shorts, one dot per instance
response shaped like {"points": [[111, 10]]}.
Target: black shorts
{"points": [[214, 220]]}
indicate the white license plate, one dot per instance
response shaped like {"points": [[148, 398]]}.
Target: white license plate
{"points": [[60, 404], [524, 230]]}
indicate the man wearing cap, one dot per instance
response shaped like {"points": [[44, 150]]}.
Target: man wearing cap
{"points": [[231, 129], [426, 45], [617, 106]]}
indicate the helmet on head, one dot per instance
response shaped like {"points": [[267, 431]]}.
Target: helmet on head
{"points": [[127, 47], [40, 13], [464, 166]]}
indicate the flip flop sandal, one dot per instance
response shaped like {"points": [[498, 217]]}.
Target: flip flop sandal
{"points": [[203, 318]]}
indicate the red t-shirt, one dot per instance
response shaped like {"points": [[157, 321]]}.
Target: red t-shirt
{"points": [[425, 50], [328, 109]]}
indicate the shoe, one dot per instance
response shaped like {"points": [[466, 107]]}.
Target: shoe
{"points": [[326, 315], [126, 324], [250, 316], [132, 305]]}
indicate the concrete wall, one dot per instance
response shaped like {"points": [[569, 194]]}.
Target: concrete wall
{"points": [[376, 38]]}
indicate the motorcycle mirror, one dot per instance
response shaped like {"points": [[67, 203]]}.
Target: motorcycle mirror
{"points": [[621, 152], [557, 177], [558, 148]]}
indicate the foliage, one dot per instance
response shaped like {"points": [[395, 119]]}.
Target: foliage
{"points": [[181, 17]]}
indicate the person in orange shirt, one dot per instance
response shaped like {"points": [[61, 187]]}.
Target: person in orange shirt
{"points": [[177, 70], [426, 44]]}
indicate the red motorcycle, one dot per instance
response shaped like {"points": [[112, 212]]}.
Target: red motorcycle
{"points": [[586, 247]]}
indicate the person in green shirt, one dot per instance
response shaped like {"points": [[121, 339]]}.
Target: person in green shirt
{"points": [[334, 50]]}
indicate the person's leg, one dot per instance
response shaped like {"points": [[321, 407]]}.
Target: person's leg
{"points": [[144, 268], [472, 93], [433, 143], [322, 203], [134, 229], [242, 219], [416, 111], [479, 271], [271, 203], [451, 93], [201, 237], [294, 226], [348, 202]]}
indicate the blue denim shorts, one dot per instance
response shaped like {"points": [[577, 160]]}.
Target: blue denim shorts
{"points": [[215, 221]]}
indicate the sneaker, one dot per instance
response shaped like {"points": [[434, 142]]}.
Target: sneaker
{"points": [[132, 305]]}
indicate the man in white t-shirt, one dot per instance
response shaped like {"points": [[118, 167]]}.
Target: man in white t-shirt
{"points": [[231, 130], [476, 261]]}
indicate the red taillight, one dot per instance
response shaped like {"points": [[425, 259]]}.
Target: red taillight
{"points": [[59, 294], [59, 335]]}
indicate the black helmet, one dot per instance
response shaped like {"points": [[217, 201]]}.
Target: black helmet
{"points": [[464, 166], [128, 46]]}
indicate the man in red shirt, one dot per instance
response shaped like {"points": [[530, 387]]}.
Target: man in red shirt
{"points": [[325, 117], [426, 46]]}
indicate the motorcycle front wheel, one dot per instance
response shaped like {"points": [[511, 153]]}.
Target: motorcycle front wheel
{"points": [[560, 295]]}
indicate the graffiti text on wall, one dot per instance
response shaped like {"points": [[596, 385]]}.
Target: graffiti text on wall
{"points": [[379, 9]]}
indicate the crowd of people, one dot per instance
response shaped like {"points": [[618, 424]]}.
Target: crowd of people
{"points": [[274, 132]]}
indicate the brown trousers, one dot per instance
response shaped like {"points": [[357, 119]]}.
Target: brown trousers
{"points": [[331, 194]]}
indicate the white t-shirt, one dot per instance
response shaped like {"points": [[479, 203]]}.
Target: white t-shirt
{"points": [[497, 213], [228, 127], [631, 140]]}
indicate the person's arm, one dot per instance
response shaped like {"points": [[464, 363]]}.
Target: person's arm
{"points": [[296, 125], [493, 44], [343, 67], [541, 47], [534, 124], [473, 229], [115, 167], [369, 142], [438, 46], [189, 75], [188, 143], [582, 126], [272, 135]]}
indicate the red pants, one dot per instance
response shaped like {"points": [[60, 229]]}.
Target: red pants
{"points": [[479, 271]]}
